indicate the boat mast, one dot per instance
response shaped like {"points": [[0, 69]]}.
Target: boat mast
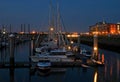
{"points": [[59, 28], [51, 22], [58, 24]]}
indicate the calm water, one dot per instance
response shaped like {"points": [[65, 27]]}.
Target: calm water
{"points": [[109, 73]]}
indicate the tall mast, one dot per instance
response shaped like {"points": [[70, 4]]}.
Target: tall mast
{"points": [[58, 17], [59, 27], [58, 24], [51, 22]]}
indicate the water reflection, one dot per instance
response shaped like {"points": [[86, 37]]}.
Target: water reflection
{"points": [[4, 54], [118, 69], [84, 69], [11, 74], [109, 73], [112, 68], [95, 76]]}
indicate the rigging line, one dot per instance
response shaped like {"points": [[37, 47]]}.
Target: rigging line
{"points": [[59, 26], [63, 23], [51, 14], [51, 20], [64, 29]]}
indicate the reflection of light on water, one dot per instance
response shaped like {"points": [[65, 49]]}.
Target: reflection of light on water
{"points": [[105, 70], [111, 70], [118, 68], [95, 77]]}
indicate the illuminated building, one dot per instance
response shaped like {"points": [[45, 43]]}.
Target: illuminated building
{"points": [[118, 28], [105, 28], [112, 28], [73, 35]]}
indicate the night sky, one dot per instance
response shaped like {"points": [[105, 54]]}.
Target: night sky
{"points": [[77, 15]]}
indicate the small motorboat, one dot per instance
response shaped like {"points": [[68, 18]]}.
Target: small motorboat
{"points": [[44, 65], [97, 62], [86, 53]]}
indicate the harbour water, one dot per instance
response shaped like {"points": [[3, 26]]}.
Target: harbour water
{"points": [[109, 73]]}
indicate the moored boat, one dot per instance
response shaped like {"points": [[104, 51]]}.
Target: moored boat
{"points": [[97, 62], [85, 53], [44, 65]]}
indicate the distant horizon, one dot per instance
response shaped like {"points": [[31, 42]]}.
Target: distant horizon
{"points": [[77, 15], [34, 27]]}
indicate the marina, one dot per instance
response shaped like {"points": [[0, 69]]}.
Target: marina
{"points": [[36, 46], [73, 59], [32, 73]]}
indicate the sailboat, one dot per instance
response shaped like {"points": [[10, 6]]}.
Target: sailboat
{"points": [[54, 48]]}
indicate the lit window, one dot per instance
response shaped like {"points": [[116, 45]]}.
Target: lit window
{"points": [[118, 27]]}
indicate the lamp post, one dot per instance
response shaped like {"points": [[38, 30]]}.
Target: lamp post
{"points": [[95, 48], [95, 44]]}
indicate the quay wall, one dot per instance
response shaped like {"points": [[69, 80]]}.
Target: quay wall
{"points": [[111, 42]]}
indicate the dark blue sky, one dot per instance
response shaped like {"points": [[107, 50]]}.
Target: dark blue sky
{"points": [[78, 15]]}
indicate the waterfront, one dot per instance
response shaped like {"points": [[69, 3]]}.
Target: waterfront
{"points": [[109, 73]]}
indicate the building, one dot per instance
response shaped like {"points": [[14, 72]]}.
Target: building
{"points": [[118, 28], [105, 28]]}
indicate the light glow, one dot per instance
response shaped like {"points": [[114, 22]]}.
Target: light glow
{"points": [[33, 32], [51, 29], [95, 48], [95, 77], [4, 32], [21, 32], [73, 35], [69, 48], [71, 42]]}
